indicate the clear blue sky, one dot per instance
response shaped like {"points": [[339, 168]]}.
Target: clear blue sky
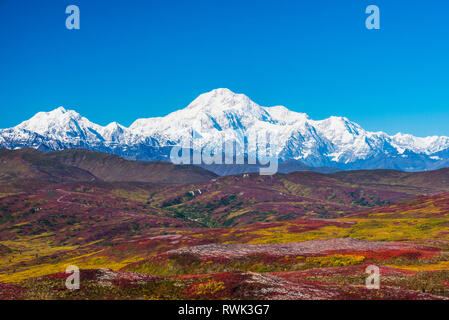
{"points": [[134, 59]]}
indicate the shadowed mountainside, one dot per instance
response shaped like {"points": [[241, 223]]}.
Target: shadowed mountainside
{"points": [[29, 164], [287, 166], [85, 165]]}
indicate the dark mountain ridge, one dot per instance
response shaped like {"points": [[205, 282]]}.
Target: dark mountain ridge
{"points": [[86, 165]]}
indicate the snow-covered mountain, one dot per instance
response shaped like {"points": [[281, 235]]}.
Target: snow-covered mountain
{"points": [[335, 141]]}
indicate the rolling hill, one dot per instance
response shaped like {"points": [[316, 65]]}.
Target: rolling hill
{"points": [[85, 165], [303, 234]]}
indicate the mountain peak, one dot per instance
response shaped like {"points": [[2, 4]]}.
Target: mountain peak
{"points": [[58, 113], [114, 125], [221, 98], [61, 109], [221, 92], [59, 124]]}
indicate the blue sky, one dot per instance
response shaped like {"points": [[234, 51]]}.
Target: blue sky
{"points": [[134, 59]]}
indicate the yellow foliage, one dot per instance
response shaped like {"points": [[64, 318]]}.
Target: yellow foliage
{"points": [[443, 265], [96, 262], [209, 288], [365, 229], [336, 260]]}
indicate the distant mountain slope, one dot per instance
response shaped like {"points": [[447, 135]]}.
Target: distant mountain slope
{"points": [[287, 166], [31, 164], [85, 165], [430, 206], [426, 182], [113, 168], [333, 142]]}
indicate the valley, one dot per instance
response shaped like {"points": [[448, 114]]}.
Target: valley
{"points": [[159, 231]]}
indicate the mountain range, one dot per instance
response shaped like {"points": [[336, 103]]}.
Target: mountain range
{"points": [[334, 142]]}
